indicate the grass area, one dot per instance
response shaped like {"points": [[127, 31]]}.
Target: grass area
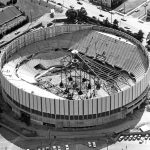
{"points": [[32, 8], [129, 5]]}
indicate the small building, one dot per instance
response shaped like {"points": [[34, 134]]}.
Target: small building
{"points": [[148, 14], [107, 3]]}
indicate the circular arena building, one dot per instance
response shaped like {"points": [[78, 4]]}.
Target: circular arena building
{"points": [[74, 76]]}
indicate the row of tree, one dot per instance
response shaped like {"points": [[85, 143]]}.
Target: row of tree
{"points": [[80, 16]]}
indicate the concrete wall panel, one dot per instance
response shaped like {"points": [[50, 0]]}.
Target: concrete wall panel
{"points": [[94, 106], [141, 86], [17, 95], [124, 98], [90, 106], [48, 105], [31, 101], [44, 108], [39, 103], [127, 93], [52, 106], [103, 104], [76, 107], [86, 107], [6, 86], [99, 105], [57, 106], [27, 100], [71, 107], [116, 100], [66, 107], [20, 96], [35, 103], [61, 107], [120, 99], [24, 98], [134, 92], [81, 107], [8, 91], [108, 103], [112, 102], [130, 96]]}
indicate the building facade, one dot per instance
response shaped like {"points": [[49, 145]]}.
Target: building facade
{"points": [[148, 14], [107, 3]]}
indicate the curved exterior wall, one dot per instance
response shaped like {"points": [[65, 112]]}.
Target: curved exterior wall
{"points": [[72, 113]]}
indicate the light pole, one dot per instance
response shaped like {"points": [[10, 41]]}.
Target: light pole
{"points": [[49, 139], [145, 8], [124, 8], [107, 143], [111, 16]]}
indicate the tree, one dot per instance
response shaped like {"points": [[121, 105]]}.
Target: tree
{"points": [[115, 23], [82, 14], [71, 15], [106, 22], [139, 35], [148, 36], [148, 42]]}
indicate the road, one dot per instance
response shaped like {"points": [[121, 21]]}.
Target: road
{"points": [[129, 145], [92, 10]]}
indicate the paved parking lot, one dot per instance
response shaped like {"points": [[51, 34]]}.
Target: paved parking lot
{"points": [[129, 5]]}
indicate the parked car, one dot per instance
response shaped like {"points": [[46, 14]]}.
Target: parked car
{"points": [[79, 3], [54, 147], [101, 15], [59, 4], [146, 136], [94, 17], [130, 137], [123, 19], [126, 27], [67, 147], [136, 10], [58, 148], [141, 141], [89, 144], [140, 21], [139, 137], [126, 137], [134, 137], [121, 138], [121, 9], [94, 144]]}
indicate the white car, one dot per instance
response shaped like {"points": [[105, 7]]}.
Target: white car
{"points": [[89, 144], [141, 141], [58, 148], [54, 147], [140, 21], [94, 144], [121, 138], [136, 10], [67, 147]]}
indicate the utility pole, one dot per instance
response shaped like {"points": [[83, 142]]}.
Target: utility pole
{"points": [[124, 8], [49, 138], [145, 8], [111, 17], [31, 16], [107, 143]]}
